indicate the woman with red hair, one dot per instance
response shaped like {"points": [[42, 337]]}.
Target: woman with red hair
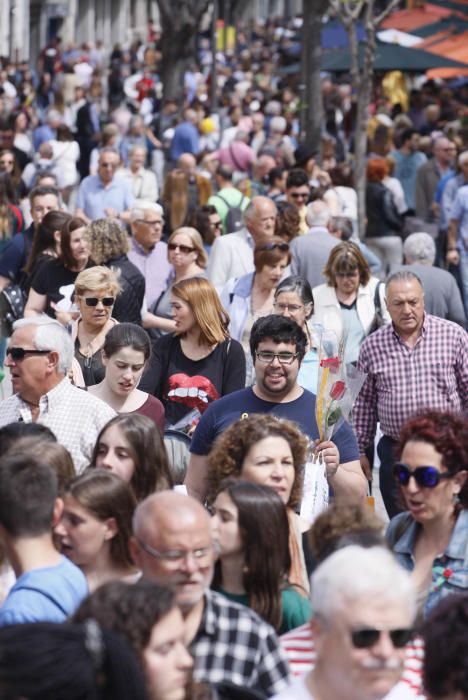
{"points": [[431, 538], [384, 224]]}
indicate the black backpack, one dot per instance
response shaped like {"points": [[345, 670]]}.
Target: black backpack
{"points": [[234, 216]]}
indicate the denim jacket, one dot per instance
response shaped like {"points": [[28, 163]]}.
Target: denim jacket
{"points": [[449, 572]]}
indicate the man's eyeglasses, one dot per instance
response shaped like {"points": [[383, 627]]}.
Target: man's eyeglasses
{"points": [[284, 358], [287, 307], [156, 222], [366, 637], [186, 249], [176, 556], [284, 247], [94, 301], [17, 354], [426, 477]]}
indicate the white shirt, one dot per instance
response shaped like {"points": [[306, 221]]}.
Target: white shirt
{"points": [[74, 416], [298, 690]]}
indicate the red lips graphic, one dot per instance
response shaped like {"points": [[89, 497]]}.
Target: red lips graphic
{"points": [[194, 392]]}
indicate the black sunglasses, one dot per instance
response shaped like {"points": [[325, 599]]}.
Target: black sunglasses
{"points": [[426, 477], [20, 353], [94, 301], [366, 637], [183, 248], [284, 247]]}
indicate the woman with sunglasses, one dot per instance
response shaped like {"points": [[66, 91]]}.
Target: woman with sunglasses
{"points": [[95, 292], [187, 255], [351, 302], [199, 362], [52, 286], [431, 539], [251, 296]]}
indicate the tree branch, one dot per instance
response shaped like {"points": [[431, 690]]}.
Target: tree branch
{"points": [[380, 18]]}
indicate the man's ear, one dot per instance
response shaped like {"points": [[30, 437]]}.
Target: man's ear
{"points": [[57, 512], [53, 360]]}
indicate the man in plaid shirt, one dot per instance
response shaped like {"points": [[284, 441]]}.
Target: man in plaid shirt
{"points": [[173, 545], [416, 362]]}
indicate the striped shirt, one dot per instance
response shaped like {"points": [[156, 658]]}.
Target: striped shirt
{"points": [[402, 381]]}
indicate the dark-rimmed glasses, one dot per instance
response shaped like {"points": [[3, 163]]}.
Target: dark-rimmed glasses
{"points": [[284, 358], [426, 477], [366, 637], [94, 301], [18, 354], [284, 247], [186, 249]]}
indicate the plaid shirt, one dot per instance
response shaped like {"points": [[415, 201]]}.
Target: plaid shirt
{"points": [[403, 381], [233, 644]]}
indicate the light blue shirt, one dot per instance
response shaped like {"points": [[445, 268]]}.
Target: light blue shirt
{"points": [[405, 171], [460, 213], [94, 198], [50, 594]]}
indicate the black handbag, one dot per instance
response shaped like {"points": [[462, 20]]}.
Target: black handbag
{"points": [[12, 303], [378, 320]]}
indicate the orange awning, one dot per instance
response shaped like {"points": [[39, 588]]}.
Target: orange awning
{"points": [[406, 20]]}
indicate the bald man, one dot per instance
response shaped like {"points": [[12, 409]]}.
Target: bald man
{"points": [[173, 545], [232, 254]]}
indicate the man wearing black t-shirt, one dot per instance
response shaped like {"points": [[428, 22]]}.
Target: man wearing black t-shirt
{"points": [[278, 346]]}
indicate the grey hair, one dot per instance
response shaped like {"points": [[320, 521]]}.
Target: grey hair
{"points": [[462, 157], [296, 285], [50, 335], [357, 572], [402, 276], [137, 147], [342, 224], [109, 149], [317, 214], [419, 247], [139, 207], [278, 124]]}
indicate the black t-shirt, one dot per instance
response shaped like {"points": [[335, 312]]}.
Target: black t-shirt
{"points": [[183, 384], [58, 283]]}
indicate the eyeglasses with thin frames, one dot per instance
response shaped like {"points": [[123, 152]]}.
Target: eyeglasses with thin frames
{"points": [[176, 556]]}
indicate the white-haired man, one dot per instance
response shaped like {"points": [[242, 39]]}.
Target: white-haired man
{"points": [[364, 607], [147, 251], [39, 357], [442, 296], [309, 253]]}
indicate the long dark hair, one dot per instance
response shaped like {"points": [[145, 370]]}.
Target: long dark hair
{"points": [[264, 530], [66, 255], [43, 660], [151, 471], [44, 236]]}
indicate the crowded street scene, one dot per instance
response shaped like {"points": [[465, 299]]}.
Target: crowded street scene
{"points": [[234, 350]]}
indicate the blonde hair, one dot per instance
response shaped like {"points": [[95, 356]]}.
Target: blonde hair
{"points": [[197, 241], [203, 299], [96, 279]]}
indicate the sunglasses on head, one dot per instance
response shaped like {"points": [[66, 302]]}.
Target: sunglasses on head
{"points": [[20, 353], [365, 638], [183, 248], [284, 247], [94, 301], [426, 477]]}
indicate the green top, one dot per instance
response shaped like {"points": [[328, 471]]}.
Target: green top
{"points": [[296, 608]]}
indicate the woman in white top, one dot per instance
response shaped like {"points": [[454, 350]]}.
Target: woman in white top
{"points": [[348, 302]]}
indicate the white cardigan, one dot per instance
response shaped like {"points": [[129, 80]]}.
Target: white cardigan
{"points": [[327, 309]]}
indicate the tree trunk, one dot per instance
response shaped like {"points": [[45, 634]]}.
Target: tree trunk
{"points": [[180, 20], [311, 116]]}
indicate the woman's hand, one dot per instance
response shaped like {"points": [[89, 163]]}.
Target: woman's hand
{"points": [[330, 455]]}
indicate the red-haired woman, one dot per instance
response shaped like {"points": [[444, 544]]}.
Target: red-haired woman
{"points": [[431, 539], [384, 224]]}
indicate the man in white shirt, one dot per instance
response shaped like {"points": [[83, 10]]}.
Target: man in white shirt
{"points": [[232, 254], [143, 181], [364, 607]]}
